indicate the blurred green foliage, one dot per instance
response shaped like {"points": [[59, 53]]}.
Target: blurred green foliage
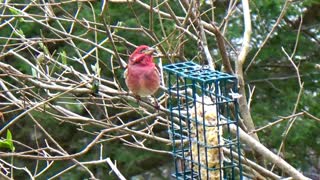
{"points": [[272, 75]]}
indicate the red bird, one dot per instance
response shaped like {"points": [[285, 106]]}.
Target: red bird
{"points": [[142, 76]]}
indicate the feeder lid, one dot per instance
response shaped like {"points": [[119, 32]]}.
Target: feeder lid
{"points": [[197, 72]]}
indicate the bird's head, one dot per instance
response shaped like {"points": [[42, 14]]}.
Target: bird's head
{"points": [[142, 55]]}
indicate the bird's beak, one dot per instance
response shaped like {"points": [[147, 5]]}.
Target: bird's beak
{"points": [[149, 51]]}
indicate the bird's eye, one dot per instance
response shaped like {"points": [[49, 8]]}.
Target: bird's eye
{"points": [[142, 50]]}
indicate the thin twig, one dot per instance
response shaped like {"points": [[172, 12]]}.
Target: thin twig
{"points": [[283, 12], [115, 169]]}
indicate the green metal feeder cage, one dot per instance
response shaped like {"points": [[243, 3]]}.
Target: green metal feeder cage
{"points": [[204, 109]]}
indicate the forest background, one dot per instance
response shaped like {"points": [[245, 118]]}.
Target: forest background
{"points": [[65, 104]]}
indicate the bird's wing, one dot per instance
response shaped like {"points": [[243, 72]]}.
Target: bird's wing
{"points": [[157, 69]]}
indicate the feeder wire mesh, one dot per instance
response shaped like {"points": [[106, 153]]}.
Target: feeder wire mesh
{"points": [[202, 109]]}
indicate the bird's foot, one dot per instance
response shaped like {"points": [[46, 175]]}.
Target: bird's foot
{"points": [[138, 98], [156, 104]]}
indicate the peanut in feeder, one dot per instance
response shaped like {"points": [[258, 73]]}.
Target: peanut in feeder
{"points": [[202, 107]]}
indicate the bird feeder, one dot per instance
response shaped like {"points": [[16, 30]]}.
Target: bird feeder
{"points": [[203, 112]]}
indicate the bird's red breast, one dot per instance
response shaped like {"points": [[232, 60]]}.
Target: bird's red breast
{"points": [[142, 76]]}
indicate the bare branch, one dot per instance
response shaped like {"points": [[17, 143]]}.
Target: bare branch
{"points": [[115, 169], [283, 12], [262, 150]]}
